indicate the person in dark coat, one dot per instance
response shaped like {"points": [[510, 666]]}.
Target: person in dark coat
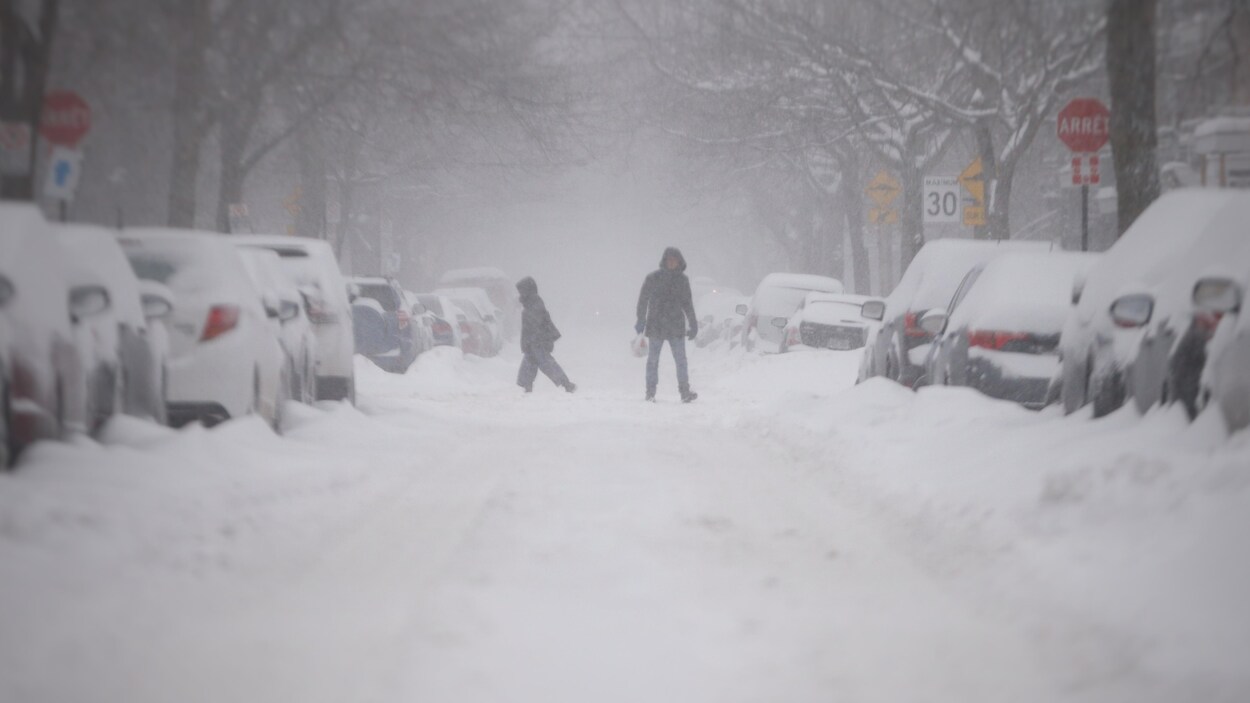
{"points": [[666, 314], [538, 340]]}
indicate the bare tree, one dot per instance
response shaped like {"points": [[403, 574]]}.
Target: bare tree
{"points": [[25, 58]]}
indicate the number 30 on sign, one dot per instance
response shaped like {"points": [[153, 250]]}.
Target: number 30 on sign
{"points": [[941, 199]]}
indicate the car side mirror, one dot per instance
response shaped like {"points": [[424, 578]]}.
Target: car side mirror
{"points": [[741, 309], [873, 310], [1133, 310], [273, 306], [419, 309], [288, 310], [933, 321], [779, 322], [7, 291], [1218, 295], [156, 300], [87, 301]]}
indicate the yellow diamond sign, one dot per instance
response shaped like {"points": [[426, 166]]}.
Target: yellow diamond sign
{"points": [[883, 189]]}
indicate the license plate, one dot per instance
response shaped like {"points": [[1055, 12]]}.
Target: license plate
{"points": [[839, 344]]}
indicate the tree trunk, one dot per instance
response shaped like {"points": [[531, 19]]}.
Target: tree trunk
{"points": [[989, 174], [233, 145], [1131, 79], [190, 124], [310, 220], [911, 216], [999, 216], [849, 195], [24, 67]]}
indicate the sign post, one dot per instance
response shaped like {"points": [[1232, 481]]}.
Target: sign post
{"points": [[1083, 125]]}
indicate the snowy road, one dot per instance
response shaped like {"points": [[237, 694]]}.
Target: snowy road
{"points": [[460, 542]]}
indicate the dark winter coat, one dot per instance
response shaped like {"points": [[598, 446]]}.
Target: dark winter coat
{"points": [[665, 304], [538, 332]]}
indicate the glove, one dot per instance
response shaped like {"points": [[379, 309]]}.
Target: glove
{"points": [[638, 328], [694, 332]]}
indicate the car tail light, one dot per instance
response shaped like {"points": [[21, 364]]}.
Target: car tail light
{"points": [[403, 317], [793, 336], [221, 319], [995, 340], [911, 328], [751, 320], [465, 328], [319, 313], [441, 327]]}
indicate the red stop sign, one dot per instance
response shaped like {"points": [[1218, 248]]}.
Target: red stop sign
{"points": [[1083, 125], [66, 118]]}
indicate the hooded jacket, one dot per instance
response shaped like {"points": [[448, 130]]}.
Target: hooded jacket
{"points": [[538, 332], [665, 305]]}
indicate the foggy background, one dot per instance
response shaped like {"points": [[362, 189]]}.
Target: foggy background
{"points": [[572, 140]]}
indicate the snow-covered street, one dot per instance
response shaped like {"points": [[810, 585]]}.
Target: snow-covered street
{"points": [[787, 537]]}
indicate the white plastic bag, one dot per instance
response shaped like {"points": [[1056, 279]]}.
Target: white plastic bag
{"points": [[639, 345]]}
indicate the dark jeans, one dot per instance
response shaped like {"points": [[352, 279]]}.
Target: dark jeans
{"points": [[540, 360], [654, 346]]}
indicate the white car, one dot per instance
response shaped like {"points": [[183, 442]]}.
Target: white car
{"points": [[776, 298], [719, 319], [123, 347], [485, 310], [898, 349], [290, 324], [1136, 288], [225, 360], [1225, 380], [444, 324], [311, 262], [828, 321], [38, 358]]}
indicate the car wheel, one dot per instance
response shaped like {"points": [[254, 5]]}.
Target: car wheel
{"points": [[1108, 393]]}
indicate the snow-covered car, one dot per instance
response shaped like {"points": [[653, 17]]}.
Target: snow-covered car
{"points": [[500, 292], [422, 320], [476, 303], [225, 359], [313, 266], [478, 336], [828, 321], [1000, 333], [443, 325], [404, 337], [38, 359], [123, 358], [1225, 379], [776, 298], [287, 317], [1171, 351], [899, 347], [719, 318], [1115, 301]]}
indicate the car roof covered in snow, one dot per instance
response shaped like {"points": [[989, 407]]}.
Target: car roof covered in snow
{"points": [[479, 297], [480, 273], [1023, 292], [1186, 228], [192, 263], [940, 265], [804, 281], [96, 249]]}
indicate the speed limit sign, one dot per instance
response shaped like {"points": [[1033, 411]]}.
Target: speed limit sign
{"points": [[941, 199]]}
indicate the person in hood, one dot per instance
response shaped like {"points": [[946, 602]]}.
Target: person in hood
{"points": [[666, 314], [538, 340]]}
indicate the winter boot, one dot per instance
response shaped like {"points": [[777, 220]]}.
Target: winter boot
{"points": [[527, 389], [570, 386], [650, 395], [688, 395]]}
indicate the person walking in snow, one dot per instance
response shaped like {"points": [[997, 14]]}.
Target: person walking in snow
{"points": [[538, 340], [666, 314]]}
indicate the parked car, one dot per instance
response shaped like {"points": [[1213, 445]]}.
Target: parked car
{"points": [[1172, 348], [478, 335], [1000, 333], [776, 298], [290, 325], [225, 360], [400, 348], [38, 360], [422, 320], [1116, 302], [477, 305], [500, 291], [311, 262], [443, 325], [828, 321], [1225, 381], [123, 358], [898, 349], [719, 319]]}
